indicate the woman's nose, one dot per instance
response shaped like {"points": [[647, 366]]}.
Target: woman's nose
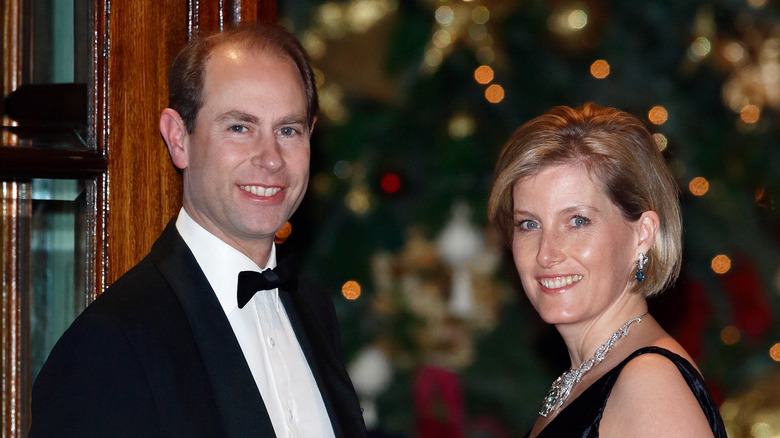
{"points": [[550, 249]]}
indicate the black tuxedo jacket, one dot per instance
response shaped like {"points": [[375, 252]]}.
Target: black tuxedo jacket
{"points": [[155, 356]]}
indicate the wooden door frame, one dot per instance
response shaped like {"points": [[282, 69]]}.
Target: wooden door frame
{"points": [[136, 189], [134, 116]]}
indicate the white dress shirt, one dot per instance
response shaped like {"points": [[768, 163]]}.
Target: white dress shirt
{"points": [[266, 337]]}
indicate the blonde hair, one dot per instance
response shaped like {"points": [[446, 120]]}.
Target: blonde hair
{"points": [[619, 151]]}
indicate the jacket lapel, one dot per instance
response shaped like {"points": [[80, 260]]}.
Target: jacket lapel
{"points": [[239, 402], [327, 367]]}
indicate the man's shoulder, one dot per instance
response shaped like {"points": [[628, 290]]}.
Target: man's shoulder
{"points": [[145, 283]]}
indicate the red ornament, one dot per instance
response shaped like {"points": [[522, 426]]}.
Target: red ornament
{"points": [[750, 306], [690, 333], [438, 403], [391, 183]]}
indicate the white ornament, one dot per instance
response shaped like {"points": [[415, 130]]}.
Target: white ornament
{"points": [[371, 373], [458, 245]]}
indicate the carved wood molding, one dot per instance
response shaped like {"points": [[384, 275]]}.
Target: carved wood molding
{"points": [[136, 188], [11, 312]]}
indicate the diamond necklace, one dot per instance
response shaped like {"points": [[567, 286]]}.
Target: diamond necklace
{"points": [[561, 388]]}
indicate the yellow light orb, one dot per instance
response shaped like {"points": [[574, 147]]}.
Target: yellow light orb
{"points": [[358, 200], [444, 15], [699, 186], [658, 115], [750, 113], [461, 126], [442, 38], [486, 55], [484, 74], [577, 19], [351, 290], [599, 69], [700, 48], [433, 58], [720, 264], [480, 15], [734, 52], [494, 93], [283, 233], [478, 32], [730, 335], [661, 141], [774, 352]]}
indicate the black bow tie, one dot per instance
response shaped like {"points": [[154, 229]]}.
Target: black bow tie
{"points": [[249, 282]]}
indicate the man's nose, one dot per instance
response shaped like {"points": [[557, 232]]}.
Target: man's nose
{"points": [[268, 154]]}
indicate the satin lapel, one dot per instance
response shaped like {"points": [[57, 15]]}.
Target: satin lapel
{"points": [[238, 400], [328, 370]]}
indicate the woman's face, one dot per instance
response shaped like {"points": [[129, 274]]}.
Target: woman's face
{"points": [[573, 249]]}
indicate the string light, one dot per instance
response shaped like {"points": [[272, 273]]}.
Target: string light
{"points": [[464, 23], [699, 186], [283, 233], [494, 93], [358, 200], [351, 290], [390, 183], [720, 264], [750, 114], [444, 15], [730, 335], [342, 169], [599, 69], [483, 74], [567, 22], [774, 352], [322, 184], [461, 126], [734, 52], [442, 38], [480, 15], [661, 141], [577, 19], [699, 49], [658, 115]]}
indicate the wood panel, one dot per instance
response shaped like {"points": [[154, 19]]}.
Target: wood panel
{"points": [[12, 385], [143, 189]]}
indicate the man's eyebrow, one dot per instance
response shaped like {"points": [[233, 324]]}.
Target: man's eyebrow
{"points": [[292, 120], [239, 116]]}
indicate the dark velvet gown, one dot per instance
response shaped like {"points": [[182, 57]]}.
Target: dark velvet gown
{"points": [[582, 416]]}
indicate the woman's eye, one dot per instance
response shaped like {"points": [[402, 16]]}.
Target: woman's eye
{"points": [[527, 225], [579, 221], [238, 128]]}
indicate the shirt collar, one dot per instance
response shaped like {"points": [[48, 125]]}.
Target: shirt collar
{"points": [[219, 261]]}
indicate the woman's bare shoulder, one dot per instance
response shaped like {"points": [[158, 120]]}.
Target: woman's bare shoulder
{"points": [[651, 398]]}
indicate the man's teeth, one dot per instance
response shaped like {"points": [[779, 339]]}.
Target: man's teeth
{"points": [[261, 191], [559, 282]]}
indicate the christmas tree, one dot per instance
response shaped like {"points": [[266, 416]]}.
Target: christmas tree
{"points": [[417, 99]]}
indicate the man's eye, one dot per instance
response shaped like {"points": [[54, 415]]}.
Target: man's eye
{"points": [[287, 131], [238, 128]]}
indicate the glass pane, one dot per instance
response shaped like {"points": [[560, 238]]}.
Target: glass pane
{"points": [[58, 263], [50, 108]]}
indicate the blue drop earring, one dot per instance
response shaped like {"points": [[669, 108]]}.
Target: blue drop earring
{"points": [[640, 273]]}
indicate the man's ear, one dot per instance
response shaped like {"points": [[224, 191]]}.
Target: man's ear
{"points": [[174, 132], [647, 228]]}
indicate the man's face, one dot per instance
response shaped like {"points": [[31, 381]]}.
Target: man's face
{"points": [[247, 160]]}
